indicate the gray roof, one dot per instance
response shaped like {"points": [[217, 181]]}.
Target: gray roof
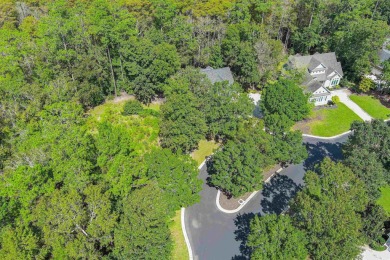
{"points": [[218, 75], [311, 84], [329, 60], [384, 55], [310, 63], [313, 64]]}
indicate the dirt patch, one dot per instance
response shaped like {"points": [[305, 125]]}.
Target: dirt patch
{"points": [[383, 98], [159, 101], [303, 127], [123, 97], [231, 203]]}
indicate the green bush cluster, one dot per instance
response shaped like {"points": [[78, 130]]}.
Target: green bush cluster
{"points": [[132, 107]]}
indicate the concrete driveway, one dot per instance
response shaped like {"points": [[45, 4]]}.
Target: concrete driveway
{"points": [[343, 94], [369, 254], [216, 235]]}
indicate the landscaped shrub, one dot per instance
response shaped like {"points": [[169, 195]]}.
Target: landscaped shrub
{"points": [[149, 112], [335, 99], [132, 107], [378, 245], [366, 85]]}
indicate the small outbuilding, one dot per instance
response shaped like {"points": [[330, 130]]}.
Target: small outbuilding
{"points": [[218, 75]]}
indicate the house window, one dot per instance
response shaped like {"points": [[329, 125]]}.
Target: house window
{"points": [[334, 82]]}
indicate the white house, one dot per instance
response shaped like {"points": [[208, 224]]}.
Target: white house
{"points": [[322, 72]]}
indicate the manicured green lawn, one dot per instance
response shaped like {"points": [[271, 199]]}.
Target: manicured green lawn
{"points": [[384, 199], [180, 250], [206, 148], [372, 106], [328, 121]]}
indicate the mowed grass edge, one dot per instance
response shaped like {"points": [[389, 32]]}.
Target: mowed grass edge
{"points": [[372, 106], [384, 199], [328, 122]]}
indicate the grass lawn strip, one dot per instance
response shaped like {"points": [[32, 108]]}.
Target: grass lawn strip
{"points": [[206, 148], [384, 199], [328, 122], [372, 106], [180, 250]]}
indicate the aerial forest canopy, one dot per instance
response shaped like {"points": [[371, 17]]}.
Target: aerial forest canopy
{"points": [[76, 183]]}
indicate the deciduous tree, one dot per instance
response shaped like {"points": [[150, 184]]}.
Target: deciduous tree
{"points": [[327, 211], [275, 237]]}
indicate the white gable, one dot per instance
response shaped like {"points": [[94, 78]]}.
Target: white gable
{"points": [[320, 67], [321, 90], [332, 74]]}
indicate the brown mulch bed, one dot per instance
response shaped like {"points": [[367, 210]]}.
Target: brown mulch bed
{"points": [[383, 98], [304, 125], [231, 203], [123, 97]]}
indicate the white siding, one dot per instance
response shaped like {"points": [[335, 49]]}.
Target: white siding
{"points": [[321, 90], [319, 101]]}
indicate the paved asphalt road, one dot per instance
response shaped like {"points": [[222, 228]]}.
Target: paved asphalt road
{"points": [[216, 235]]}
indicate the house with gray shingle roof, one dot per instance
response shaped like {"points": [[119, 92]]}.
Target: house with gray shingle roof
{"points": [[218, 75], [322, 72]]}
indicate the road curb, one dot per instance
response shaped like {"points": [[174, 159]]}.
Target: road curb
{"points": [[201, 165], [246, 201], [183, 225], [327, 138], [183, 228]]}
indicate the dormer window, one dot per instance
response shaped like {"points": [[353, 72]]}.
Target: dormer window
{"points": [[317, 72]]}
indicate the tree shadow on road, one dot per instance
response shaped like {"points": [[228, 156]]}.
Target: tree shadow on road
{"points": [[278, 193], [317, 152], [242, 223]]}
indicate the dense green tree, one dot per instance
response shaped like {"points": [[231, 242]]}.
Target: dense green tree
{"points": [[188, 79], [18, 242], [225, 106], [365, 166], [238, 167], [327, 211], [373, 219], [356, 44], [116, 157], [275, 237], [74, 226], [183, 124], [132, 107], [148, 66], [285, 97], [240, 54], [278, 123], [288, 147], [144, 236], [176, 175], [374, 137]]}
